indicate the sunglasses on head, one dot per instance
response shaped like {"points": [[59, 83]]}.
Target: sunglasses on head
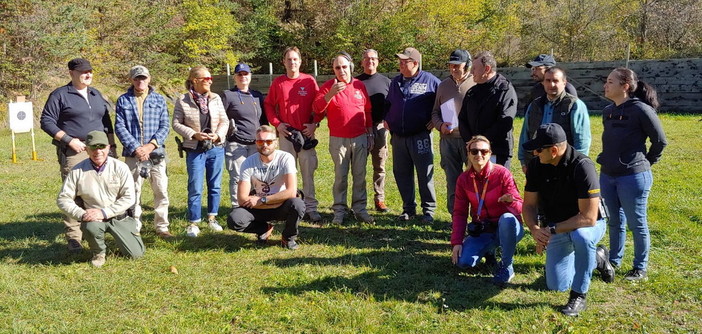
{"points": [[98, 146], [541, 149], [474, 151], [265, 141]]}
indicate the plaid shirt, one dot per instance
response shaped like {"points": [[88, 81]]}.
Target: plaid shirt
{"points": [[127, 125]]}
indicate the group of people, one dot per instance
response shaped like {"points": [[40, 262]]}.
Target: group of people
{"points": [[473, 110]]}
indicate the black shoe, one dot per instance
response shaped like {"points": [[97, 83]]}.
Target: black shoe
{"points": [[262, 239], [603, 266], [405, 216], [635, 275], [576, 304], [74, 246], [427, 219]]}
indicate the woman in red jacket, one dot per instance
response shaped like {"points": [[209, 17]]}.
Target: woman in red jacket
{"points": [[488, 190]]}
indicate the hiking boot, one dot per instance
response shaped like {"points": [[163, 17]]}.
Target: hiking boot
{"points": [[427, 219], [339, 217], [405, 216], [214, 225], [365, 217], [503, 274], [576, 304], [381, 207], [263, 238], [314, 217], [635, 275], [98, 260], [164, 234], [603, 266], [192, 230], [74, 246], [290, 244]]}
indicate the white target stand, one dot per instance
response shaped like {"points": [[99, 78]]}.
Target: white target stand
{"points": [[21, 121]]}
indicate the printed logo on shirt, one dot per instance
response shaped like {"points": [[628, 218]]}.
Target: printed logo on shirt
{"points": [[418, 88], [302, 92], [358, 95]]}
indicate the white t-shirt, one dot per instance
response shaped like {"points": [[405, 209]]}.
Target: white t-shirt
{"points": [[267, 179]]}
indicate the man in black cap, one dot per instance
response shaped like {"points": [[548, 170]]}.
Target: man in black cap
{"points": [[97, 192], [70, 112], [444, 117], [538, 68], [563, 184]]}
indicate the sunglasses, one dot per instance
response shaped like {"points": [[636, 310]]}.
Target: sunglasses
{"points": [[269, 142], [206, 78], [98, 147], [541, 149], [474, 151]]}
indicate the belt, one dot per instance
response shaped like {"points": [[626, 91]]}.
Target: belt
{"points": [[117, 217]]}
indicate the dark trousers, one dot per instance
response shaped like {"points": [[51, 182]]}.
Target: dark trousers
{"points": [[256, 220]]}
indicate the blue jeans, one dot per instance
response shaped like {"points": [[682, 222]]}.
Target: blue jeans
{"points": [[626, 198], [509, 232], [211, 163], [570, 258]]}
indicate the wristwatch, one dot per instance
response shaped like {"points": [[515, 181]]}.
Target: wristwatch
{"points": [[263, 200], [552, 228]]}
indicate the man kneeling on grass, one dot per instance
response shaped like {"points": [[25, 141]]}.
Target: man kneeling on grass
{"points": [[267, 191], [97, 192]]}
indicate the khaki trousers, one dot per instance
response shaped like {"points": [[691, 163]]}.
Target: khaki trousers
{"points": [[379, 154], [67, 159], [307, 159], [349, 153], [159, 185]]}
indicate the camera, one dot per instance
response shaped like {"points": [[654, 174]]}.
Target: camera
{"points": [[475, 229], [145, 167], [207, 143]]}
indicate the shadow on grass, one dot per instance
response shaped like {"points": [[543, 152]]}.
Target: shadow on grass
{"points": [[407, 269], [34, 241]]}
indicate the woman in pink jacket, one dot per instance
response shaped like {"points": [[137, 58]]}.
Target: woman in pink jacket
{"points": [[486, 193]]}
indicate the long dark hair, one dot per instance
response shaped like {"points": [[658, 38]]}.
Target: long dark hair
{"points": [[637, 88]]}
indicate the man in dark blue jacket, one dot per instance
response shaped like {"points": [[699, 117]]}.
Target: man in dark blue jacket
{"points": [[489, 108], [408, 117]]}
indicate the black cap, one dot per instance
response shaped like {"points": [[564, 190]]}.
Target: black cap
{"points": [[459, 56], [542, 59], [548, 134], [79, 64]]}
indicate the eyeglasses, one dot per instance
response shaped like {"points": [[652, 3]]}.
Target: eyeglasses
{"points": [[268, 142], [205, 78], [97, 147], [475, 151], [541, 149]]}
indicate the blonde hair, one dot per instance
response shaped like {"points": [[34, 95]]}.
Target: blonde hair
{"points": [[476, 139], [193, 75]]}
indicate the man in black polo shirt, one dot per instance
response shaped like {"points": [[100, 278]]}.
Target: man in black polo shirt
{"points": [[563, 183], [70, 112]]}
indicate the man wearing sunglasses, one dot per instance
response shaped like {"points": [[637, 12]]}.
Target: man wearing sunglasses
{"points": [[563, 185], [142, 126], [97, 192], [70, 112], [267, 192]]}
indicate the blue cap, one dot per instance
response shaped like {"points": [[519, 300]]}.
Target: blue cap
{"points": [[542, 60], [242, 67]]}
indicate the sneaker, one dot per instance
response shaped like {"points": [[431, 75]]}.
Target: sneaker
{"points": [[427, 219], [576, 304], [339, 217], [290, 244], [98, 260], [381, 207], [164, 234], [192, 230], [603, 266], [74, 246], [263, 238], [138, 225], [314, 217], [405, 216], [365, 217], [503, 274], [635, 275], [214, 225]]}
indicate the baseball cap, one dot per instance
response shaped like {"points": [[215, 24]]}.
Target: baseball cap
{"points": [[242, 67], [459, 56], [139, 71], [410, 53], [542, 59], [96, 138], [547, 134], [79, 64]]}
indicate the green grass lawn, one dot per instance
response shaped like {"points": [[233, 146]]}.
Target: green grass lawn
{"points": [[389, 277]]}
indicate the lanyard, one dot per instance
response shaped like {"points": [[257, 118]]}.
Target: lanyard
{"points": [[481, 198]]}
